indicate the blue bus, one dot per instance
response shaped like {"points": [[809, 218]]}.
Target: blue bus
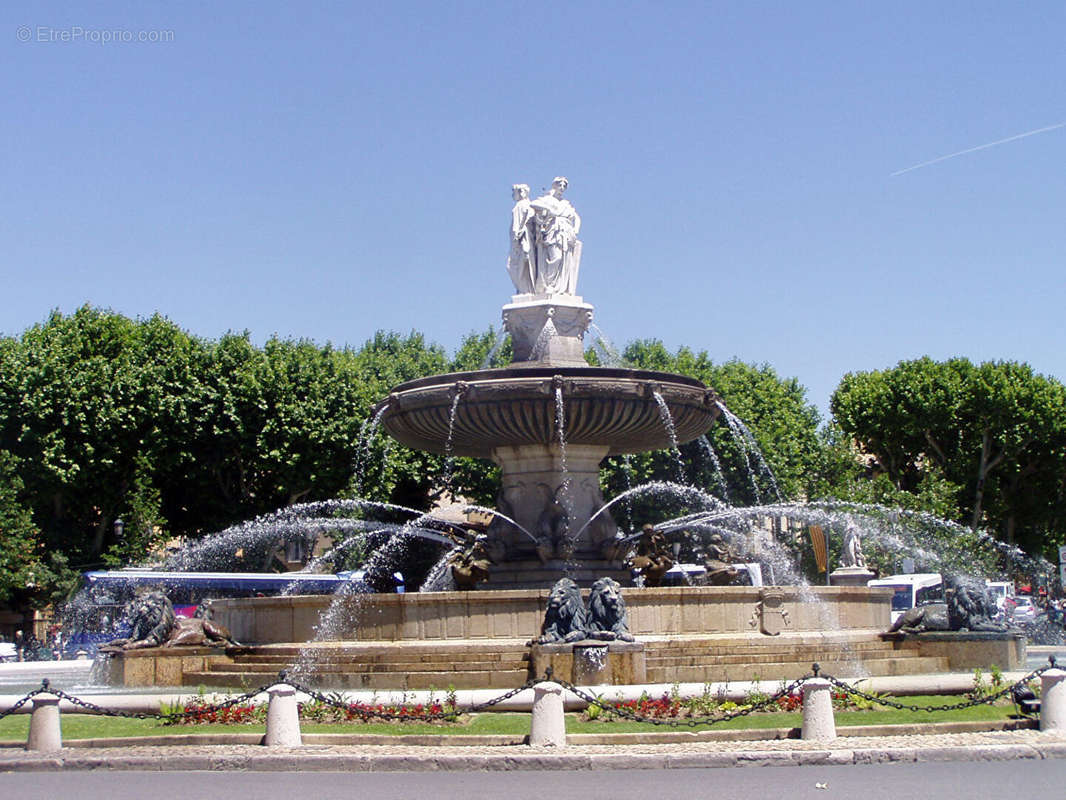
{"points": [[97, 614]]}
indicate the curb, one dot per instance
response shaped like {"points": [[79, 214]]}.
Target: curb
{"points": [[303, 760]]}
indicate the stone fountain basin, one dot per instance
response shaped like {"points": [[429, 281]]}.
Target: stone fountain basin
{"points": [[516, 406]]}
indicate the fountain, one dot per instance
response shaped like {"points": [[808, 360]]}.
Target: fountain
{"points": [[548, 420]]}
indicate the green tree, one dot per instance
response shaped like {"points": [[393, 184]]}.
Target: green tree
{"points": [[995, 431], [20, 545], [89, 401]]}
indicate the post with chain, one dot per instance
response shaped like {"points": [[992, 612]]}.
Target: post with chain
{"points": [[548, 725], [45, 733], [1053, 699], [283, 715], [818, 720]]}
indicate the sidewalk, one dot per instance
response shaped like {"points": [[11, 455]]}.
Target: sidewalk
{"points": [[961, 747]]}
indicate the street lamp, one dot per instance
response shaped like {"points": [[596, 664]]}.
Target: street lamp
{"points": [[118, 528]]}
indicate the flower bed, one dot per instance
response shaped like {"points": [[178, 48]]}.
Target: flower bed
{"points": [[198, 711]]}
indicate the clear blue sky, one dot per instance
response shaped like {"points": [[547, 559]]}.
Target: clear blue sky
{"points": [[328, 171]]}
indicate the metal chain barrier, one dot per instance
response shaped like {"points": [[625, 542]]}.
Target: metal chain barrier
{"points": [[172, 716], [25, 700], [691, 722], [408, 715], [405, 715], [98, 710], [973, 701]]}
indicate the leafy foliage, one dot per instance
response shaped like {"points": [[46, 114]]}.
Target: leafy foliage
{"points": [[993, 435]]}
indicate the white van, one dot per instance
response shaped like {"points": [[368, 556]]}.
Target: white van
{"points": [[696, 575], [912, 590]]}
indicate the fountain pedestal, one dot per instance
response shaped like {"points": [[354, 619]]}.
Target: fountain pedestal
{"points": [[850, 576], [592, 662], [548, 329], [552, 492]]}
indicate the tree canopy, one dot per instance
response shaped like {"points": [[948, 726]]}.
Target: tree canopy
{"points": [[995, 431], [104, 417]]}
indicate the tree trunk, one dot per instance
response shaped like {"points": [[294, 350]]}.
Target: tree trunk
{"points": [[98, 536], [983, 468]]}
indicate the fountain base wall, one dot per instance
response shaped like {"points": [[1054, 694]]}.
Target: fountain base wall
{"points": [[156, 666], [518, 613], [967, 650], [483, 640]]}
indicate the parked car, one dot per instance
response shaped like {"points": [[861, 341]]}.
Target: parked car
{"points": [[7, 651], [1024, 610]]}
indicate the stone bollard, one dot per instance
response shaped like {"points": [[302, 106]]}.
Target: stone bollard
{"points": [[45, 734], [1053, 700], [283, 717], [548, 727], [818, 720]]}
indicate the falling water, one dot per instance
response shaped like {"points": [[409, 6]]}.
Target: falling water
{"points": [[495, 349], [746, 442], [439, 578], [362, 448], [671, 431], [604, 349], [627, 505], [705, 445], [449, 458], [560, 431]]}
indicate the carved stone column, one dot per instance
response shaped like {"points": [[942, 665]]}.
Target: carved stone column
{"points": [[552, 505]]}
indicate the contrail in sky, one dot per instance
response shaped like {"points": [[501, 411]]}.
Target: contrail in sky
{"points": [[980, 147]]}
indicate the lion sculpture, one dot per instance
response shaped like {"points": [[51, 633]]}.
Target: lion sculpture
{"points": [[564, 619], [154, 624], [607, 612], [969, 606], [931, 617], [966, 608]]}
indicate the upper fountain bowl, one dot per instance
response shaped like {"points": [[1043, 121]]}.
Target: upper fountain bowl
{"points": [[516, 406]]}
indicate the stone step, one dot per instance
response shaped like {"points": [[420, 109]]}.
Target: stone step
{"points": [[836, 654], [789, 671], [329, 665], [701, 648], [378, 649], [391, 658]]}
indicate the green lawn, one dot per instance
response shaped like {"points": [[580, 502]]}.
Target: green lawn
{"points": [[84, 726]]}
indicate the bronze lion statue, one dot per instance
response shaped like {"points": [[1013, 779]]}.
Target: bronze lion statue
{"points": [[564, 619], [154, 624], [607, 612], [152, 621], [966, 607]]}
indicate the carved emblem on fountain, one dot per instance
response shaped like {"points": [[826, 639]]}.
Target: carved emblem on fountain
{"points": [[770, 614]]}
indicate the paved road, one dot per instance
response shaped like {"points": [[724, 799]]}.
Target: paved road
{"points": [[974, 781]]}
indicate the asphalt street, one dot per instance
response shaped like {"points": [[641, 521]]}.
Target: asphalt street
{"points": [[971, 780]]}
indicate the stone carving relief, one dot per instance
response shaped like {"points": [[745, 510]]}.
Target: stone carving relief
{"points": [[770, 614], [553, 527]]}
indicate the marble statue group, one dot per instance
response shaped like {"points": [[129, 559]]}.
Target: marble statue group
{"points": [[545, 251]]}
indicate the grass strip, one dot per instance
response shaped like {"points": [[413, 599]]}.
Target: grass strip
{"points": [[15, 728]]}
